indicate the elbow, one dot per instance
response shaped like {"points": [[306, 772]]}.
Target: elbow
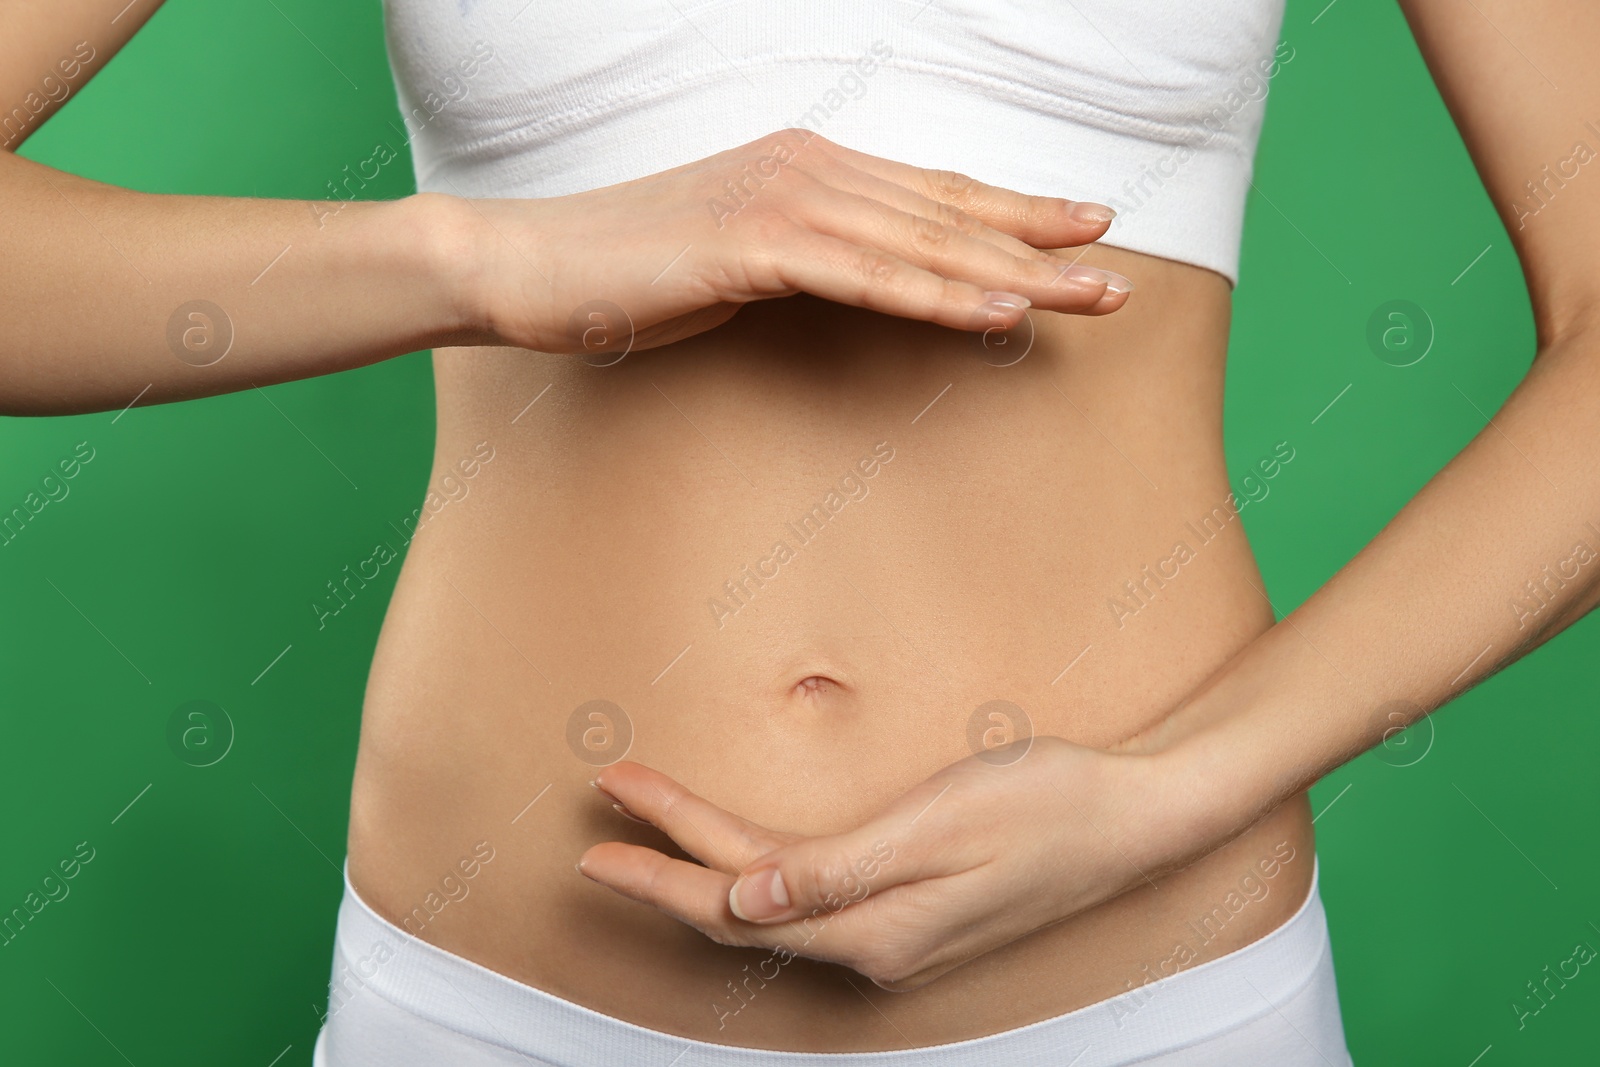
{"points": [[1564, 311]]}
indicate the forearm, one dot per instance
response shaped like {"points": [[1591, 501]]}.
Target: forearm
{"points": [[1495, 555], [50, 51], [103, 285]]}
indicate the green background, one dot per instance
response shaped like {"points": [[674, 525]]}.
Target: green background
{"points": [[183, 560]]}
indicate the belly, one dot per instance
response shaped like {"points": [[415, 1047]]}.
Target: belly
{"points": [[786, 562]]}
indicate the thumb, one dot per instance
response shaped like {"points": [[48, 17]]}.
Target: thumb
{"points": [[824, 874]]}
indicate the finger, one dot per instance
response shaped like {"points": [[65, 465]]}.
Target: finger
{"points": [[1117, 291], [948, 251], [698, 898], [1041, 221], [871, 186], [834, 872], [872, 278], [687, 891], [860, 183], [710, 834], [1108, 303], [695, 896]]}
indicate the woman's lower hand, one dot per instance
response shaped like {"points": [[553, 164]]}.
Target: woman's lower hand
{"points": [[661, 258], [978, 855]]}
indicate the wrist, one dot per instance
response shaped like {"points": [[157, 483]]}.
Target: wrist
{"points": [[1209, 805], [1195, 792], [1153, 809], [1176, 813], [1222, 758], [453, 237]]}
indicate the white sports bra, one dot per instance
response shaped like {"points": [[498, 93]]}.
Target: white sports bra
{"points": [[1152, 106]]}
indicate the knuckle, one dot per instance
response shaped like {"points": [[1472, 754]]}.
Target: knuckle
{"points": [[956, 219], [896, 985], [754, 270], [866, 954], [889, 968], [927, 233], [950, 185], [651, 886], [878, 267], [950, 293], [822, 879], [792, 139], [670, 798], [800, 134], [890, 956], [753, 845], [722, 935]]}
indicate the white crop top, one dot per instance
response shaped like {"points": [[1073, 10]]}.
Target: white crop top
{"points": [[1152, 106]]}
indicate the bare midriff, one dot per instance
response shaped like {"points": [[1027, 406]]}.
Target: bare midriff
{"points": [[953, 531]]}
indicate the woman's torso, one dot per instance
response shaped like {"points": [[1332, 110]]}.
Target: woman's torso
{"points": [[1018, 539], [660, 533]]}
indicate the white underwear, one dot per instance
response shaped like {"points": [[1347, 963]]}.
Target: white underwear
{"points": [[397, 1001]]}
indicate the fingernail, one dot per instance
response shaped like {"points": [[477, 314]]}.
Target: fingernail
{"points": [[1116, 283], [1090, 213], [760, 896], [579, 868], [1087, 276], [626, 814], [1006, 301]]}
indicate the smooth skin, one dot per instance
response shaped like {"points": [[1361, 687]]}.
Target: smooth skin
{"points": [[383, 279], [1009, 850], [973, 566]]}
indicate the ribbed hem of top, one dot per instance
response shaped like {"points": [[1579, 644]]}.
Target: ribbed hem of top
{"points": [[1183, 202]]}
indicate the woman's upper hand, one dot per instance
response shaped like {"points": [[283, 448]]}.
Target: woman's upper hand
{"points": [[660, 258], [974, 857]]}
